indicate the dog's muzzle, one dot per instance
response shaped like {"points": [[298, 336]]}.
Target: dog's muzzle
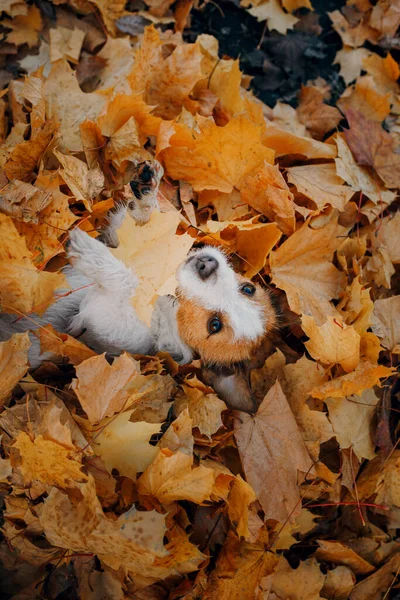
{"points": [[205, 266]]}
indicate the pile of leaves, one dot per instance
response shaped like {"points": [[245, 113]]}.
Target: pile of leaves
{"points": [[133, 479]]}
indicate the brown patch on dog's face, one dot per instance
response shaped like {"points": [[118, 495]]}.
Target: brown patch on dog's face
{"points": [[212, 337]]}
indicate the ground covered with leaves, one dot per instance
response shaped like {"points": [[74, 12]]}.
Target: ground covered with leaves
{"points": [[133, 479]]}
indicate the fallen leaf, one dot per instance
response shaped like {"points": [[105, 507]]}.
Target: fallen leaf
{"points": [[124, 445], [271, 11], [228, 153], [240, 567], [118, 57], [66, 43], [367, 99], [250, 240], [372, 146], [385, 322], [284, 142], [63, 345], [265, 190], [25, 27], [378, 583], [69, 106], [338, 583], [269, 443], [179, 435], [25, 157], [84, 183], [351, 62], [340, 554], [171, 477], [203, 404], [46, 461], [332, 342], [110, 12], [303, 583], [352, 34], [33, 92], [303, 268], [144, 248], [386, 72], [360, 178], [23, 288], [385, 17], [23, 201], [240, 497], [292, 5], [363, 378], [13, 363], [321, 184], [352, 420], [318, 117], [379, 269], [387, 235], [134, 540]]}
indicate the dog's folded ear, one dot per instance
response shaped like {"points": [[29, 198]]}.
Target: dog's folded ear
{"points": [[232, 384]]}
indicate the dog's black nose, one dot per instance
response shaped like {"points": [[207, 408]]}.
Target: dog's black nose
{"points": [[205, 266]]}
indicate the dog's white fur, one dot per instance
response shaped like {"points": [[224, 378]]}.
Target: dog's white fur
{"points": [[220, 293], [100, 312]]}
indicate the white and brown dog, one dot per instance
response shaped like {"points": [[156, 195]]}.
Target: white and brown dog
{"points": [[216, 315]]}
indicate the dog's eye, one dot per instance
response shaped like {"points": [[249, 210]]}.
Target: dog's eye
{"points": [[248, 289], [214, 325]]}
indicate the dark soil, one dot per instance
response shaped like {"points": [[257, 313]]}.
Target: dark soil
{"points": [[279, 64]]}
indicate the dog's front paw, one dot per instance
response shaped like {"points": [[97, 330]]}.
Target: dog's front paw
{"points": [[144, 185]]}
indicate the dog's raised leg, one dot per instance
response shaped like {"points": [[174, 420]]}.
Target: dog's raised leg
{"points": [[106, 318]]}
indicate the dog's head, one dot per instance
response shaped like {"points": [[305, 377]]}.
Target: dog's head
{"points": [[224, 319]]}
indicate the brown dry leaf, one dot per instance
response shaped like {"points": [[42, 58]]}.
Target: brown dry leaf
{"points": [[284, 142], [171, 477], [387, 235], [240, 497], [240, 567], [33, 92], [379, 269], [332, 342], [212, 157], [145, 248], [117, 58], [363, 378], [110, 12], [340, 554], [360, 178], [303, 268], [203, 404], [25, 27], [292, 5], [66, 43], [250, 240], [31, 63], [42, 239], [66, 102], [318, 117], [286, 118], [386, 323], [338, 583], [168, 90], [25, 157], [372, 146], [124, 445], [265, 190], [100, 386], [385, 17], [179, 435], [46, 461], [356, 305], [352, 420], [134, 540], [63, 345], [148, 57], [272, 12], [23, 201], [353, 35], [378, 583], [303, 583], [270, 443], [27, 551], [321, 184], [23, 288], [84, 183], [351, 62], [386, 72], [5, 470], [13, 363], [367, 99]]}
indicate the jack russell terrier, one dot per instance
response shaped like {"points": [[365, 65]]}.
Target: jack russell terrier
{"points": [[217, 315]]}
